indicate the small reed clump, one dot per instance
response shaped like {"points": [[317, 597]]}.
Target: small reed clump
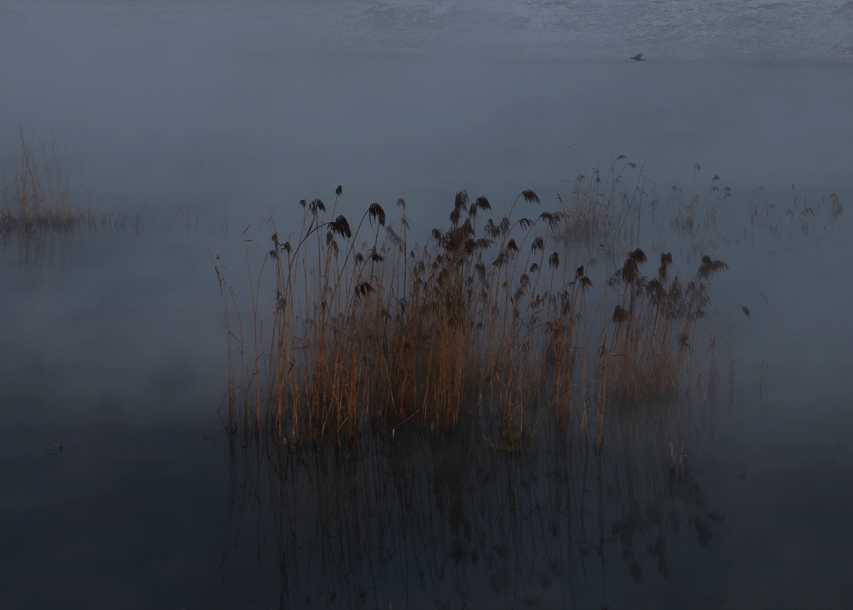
{"points": [[37, 200], [485, 326]]}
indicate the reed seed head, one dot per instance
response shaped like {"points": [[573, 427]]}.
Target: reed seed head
{"points": [[554, 260], [363, 289], [530, 196], [377, 213], [620, 314], [538, 244], [341, 227], [638, 256], [709, 267], [483, 203], [461, 200]]}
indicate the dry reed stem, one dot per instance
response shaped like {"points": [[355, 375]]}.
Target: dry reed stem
{"points": [[459, 330]]}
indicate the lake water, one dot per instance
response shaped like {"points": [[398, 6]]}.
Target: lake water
{"points": [[120, 487]]}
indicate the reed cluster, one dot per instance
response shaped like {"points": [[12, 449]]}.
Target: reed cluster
{"points": [[485, 325], [800, 216], [598, 213], [607, 212], [36, 199]]}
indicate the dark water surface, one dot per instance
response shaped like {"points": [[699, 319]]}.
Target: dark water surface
{"points": [[120, 488]]}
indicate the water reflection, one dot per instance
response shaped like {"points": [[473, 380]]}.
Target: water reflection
{"points": [[448, 522]]}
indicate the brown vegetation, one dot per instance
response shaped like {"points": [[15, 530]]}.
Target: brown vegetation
{"points": [[36, 201], [484, 326]]}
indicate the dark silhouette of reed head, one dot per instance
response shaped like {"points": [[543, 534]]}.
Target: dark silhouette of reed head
{"points": [[363, 289], [341, 227], [638, 256], [554, 260], [620, 314], [481, 203], [377, 213], [709, 266], [552, 218], [316, 206], [530, 196]]}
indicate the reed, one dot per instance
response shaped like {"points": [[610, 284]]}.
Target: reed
{"points": [[483, 326], [606, 212], [36, 201], [599, 212]]}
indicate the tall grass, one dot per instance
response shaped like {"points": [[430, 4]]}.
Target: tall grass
{"points": [[483, 326], [606, 213], [37, 201], [37, 198]]}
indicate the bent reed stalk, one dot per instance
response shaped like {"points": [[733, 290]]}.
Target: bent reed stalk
{"points": [[482, 326]]}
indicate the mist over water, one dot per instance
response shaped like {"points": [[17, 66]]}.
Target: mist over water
{"points": [[206, 119], [269, 103]]}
